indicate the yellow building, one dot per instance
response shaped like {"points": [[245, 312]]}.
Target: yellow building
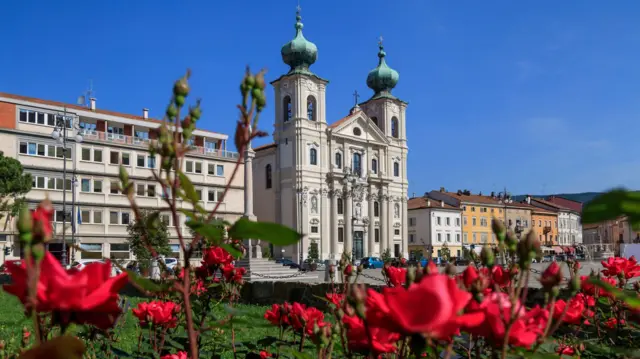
{"points": [[477, 213], [545, 225]]}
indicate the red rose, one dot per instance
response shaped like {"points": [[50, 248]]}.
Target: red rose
{"points": [[157, 313], [41, 219], [619, 265], [232, 274], [526, 329], [469, 276], [564, 349], [574, 312], [216, 256], [612, 322], [279, 315], [500, 277], [89, 296], [552, 276], [383, 341], [592, 289], [335, 298], [396, 276], [401, 309], [432, 268], [178, 355], [348, 270], [265, 355], [304, 319]]}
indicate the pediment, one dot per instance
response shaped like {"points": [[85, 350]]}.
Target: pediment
{"points": [[359, 126]]}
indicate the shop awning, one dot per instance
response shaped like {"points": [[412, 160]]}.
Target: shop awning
{"points": [[557, 249]]}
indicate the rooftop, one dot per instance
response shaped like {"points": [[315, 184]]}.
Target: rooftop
{"points": [[425, 202], [4, 95]]}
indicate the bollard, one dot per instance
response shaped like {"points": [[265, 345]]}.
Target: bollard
{"points": [[327, 267]]}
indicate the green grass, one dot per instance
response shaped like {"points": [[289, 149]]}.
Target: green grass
{"points": [[252, 327]]}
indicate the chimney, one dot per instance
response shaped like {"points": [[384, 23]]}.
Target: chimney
{"points": [[493, 194], [93, 103], [441, 203], [428, 203], [442, 189], [528, 199], [145, 113]]}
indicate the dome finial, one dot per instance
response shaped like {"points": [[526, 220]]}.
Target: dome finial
{"points": [[299, 53], [382, 79]]}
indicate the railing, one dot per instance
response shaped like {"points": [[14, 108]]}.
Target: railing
{"points": [[144, 142]]}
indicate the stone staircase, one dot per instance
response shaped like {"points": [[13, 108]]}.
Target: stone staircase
{"points": [[264, 270]]}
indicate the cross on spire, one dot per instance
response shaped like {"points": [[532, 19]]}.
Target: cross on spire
{"points": [[298, 8], [356, 96], [380, 39]]}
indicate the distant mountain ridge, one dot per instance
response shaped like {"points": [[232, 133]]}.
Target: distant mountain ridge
{"points": [[583, 197]]}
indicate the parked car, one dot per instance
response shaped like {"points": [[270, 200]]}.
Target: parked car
{"points": [[372, 262], [547, 258], [170, 263], [289, 263], [581, 257]]}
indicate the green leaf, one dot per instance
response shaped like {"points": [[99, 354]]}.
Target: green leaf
{"points": [[147, 284], [231, 250], [188, 188], [212, 231], [610, 205], [270, 232], [633, 302]]}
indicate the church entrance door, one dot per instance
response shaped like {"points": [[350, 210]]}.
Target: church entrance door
{"points": [[358, 240]]}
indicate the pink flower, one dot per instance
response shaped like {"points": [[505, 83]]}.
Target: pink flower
{"points": [[178, 355]]}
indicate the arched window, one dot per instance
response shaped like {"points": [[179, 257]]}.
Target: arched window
{"points": [[311, 108], [376, 209], [357, 164], [374, 165], [338, 160], [340, 206], [396, 169], [287, 111], [313, 156], [267, 170], [375, 120], [394, 127]]}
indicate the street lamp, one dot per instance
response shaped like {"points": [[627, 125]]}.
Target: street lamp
{"points": [[60, 134]]}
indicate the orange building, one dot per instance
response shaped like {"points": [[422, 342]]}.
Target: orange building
{"points": [[545, 224]]}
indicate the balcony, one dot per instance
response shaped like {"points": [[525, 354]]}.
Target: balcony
{"points": [[93, 135]]}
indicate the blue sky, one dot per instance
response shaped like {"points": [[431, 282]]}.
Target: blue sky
{"points": [[540, 97]]}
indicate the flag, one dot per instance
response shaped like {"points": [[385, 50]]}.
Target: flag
{"points": [[74, 224]]}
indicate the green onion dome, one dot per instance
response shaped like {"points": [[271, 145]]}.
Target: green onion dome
{"points": [[299, 53], [382, 79]]}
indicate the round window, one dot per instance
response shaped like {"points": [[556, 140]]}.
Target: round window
{"points": [[356, 131]]}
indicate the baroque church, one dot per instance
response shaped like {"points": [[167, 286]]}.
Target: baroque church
{"points": [[342, 184]]}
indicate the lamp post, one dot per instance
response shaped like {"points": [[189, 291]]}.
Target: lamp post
{"points": [[60, 133]]}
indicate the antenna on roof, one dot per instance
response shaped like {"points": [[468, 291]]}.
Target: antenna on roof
{"points": [[87, 95]]}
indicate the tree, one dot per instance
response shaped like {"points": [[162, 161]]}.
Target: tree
{"points": [[14, 184], [445, 253], [154, 230], [313, 255]]}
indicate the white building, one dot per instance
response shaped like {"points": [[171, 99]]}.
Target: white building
{"points": [[344, 185], [109, 139], [434, 223], [569, 223]]}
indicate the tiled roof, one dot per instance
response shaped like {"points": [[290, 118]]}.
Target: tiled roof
{"points": [[590, 226], [83, 108], [342, 120], [574, 205], [474, 198], [554, 205], [265, 147], [424, 202]]}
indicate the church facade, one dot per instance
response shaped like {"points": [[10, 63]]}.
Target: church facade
{"points": [[342, 184]]}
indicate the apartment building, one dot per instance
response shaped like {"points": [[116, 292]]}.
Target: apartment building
{"points": [[99, 141], [569, 223], [432, 224]]}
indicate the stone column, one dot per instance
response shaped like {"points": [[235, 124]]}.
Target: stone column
{"points": [[384, 222], [334, 253], [372, 223], [405, 228], [249, 154], [348, 224]]}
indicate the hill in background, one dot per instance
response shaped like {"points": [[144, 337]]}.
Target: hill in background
{"points": [[583, 197]]}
